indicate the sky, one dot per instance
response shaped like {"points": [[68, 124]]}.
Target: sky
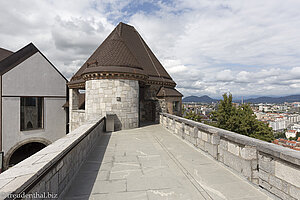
{"points": [[209, 47]]}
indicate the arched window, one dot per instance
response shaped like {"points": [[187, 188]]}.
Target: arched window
{"points": [[29, 125], [32, 111]]}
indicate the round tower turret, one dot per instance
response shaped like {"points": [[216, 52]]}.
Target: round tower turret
{"points": [[121, 67]]}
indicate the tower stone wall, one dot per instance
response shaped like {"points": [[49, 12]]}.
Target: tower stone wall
{"points": [[113, 96], [123, 77]]}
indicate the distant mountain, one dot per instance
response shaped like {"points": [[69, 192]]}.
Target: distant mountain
{"points": [[207, 99], [291, 98], [202, 99]]}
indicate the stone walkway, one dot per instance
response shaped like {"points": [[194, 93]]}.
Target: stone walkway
{"points": [[151, 163]]}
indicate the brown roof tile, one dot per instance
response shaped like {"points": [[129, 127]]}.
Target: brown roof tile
{"points": [[168, 92], [124, 51], [81, 102]]}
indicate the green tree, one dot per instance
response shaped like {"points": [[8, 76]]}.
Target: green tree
{"points": [[240, 120], [191, 115], [295, 138], [225, 114], [281, 134]]}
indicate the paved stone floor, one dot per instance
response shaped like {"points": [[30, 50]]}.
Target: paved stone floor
{"points": [[151, 163]]}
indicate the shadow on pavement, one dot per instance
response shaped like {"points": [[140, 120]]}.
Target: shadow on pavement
{"points": [[91, 170]]}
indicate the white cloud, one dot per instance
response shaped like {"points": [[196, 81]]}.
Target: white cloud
{"points": [[174, 66], [225, 75], [208, 47], [249, 48]]}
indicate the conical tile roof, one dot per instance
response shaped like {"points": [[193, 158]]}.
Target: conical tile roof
{"points": [[124, 51]]}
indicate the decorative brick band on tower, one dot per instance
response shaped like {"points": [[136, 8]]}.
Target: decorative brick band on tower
{"points": [[113, 96]]}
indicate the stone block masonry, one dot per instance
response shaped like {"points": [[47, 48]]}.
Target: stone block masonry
{"points": [[51, 170], [77, 119], [271, 167], [113, 96]]}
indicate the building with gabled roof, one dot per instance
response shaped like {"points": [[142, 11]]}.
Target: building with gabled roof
{"points": [[123, 77], [4, 53], [32, 93]]}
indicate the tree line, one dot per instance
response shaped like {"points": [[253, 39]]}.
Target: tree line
{"points": [[240, 119]]}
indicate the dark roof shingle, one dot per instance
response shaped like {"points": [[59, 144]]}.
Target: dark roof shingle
{"points": [[16, 58], [168, 92], [124, 50], [4, 53], [21, 55]]}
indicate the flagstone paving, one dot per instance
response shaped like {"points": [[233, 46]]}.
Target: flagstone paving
{"points": [[151, 163]]}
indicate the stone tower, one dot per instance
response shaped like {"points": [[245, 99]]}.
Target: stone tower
{"points": [[122, 77]]}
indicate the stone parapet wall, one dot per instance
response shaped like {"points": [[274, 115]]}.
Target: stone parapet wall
{"points": [[73, 107], [113, 96], [51, 170], [273, 168], [77, 119]]}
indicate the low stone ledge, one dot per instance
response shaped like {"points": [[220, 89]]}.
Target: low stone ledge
{"points": [[272, 167], [52, 168], [275, 150], [77, 119]]}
